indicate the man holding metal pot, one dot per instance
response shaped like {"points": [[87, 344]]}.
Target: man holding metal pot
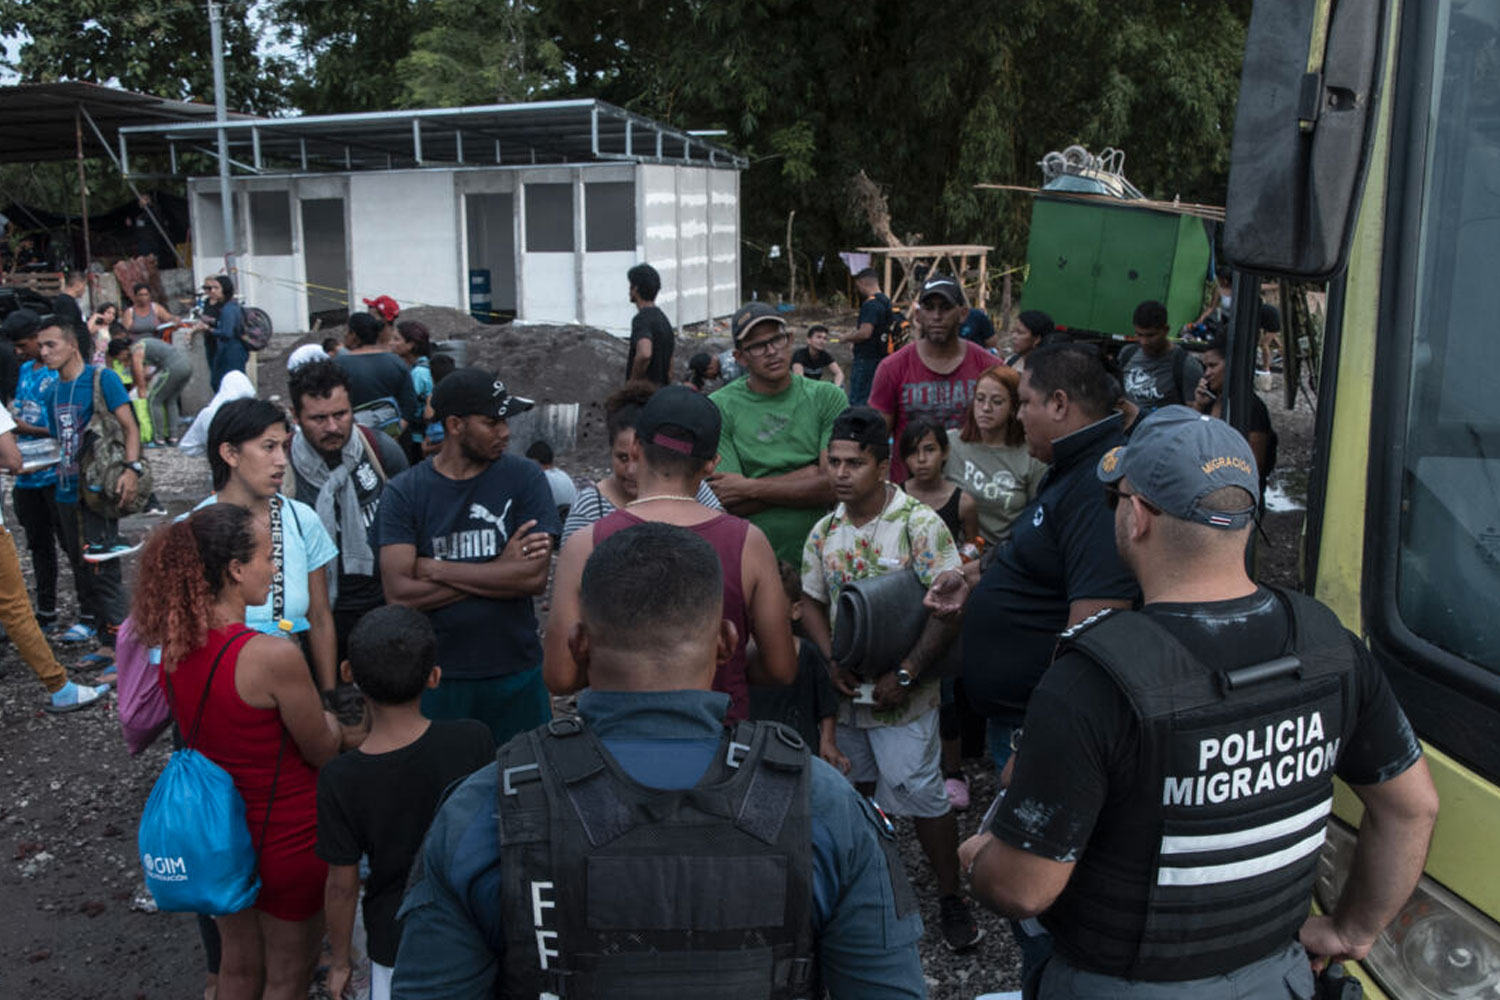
{"points": [[888, 719]]}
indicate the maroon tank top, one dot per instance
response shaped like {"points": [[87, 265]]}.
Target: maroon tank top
{"points": [[726, 533]]}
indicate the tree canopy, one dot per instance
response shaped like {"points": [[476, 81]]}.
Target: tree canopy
{"points": [[927, 103]]}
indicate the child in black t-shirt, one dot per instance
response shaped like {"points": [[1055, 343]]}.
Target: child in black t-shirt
{"points": [[378, 800], [809, 704]]}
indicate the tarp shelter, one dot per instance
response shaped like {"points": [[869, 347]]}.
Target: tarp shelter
{"points": [[78, 121], [532, 210]]}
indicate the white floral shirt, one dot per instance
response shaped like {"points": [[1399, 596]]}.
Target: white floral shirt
{"points": [[906, 532]]}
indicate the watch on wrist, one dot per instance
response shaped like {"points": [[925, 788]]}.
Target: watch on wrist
{"points": [[905, 677], [135, 467]]}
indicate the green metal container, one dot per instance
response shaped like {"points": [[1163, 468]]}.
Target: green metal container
{"points": [[1092, 262]]}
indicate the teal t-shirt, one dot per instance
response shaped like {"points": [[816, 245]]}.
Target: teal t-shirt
{"points": [[306, 546], [774, 435]]}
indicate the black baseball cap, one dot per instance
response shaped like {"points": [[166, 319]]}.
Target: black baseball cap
{"points": [[474, 391], [679, 419], [944, 286], [1177, 456], [749, 317], [864, 425]]}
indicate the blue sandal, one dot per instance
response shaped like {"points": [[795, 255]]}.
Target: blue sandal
{"points": [[95, 661]]}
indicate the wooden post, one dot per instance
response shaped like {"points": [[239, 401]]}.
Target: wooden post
{"points": [[984, 276], [887, 286]]}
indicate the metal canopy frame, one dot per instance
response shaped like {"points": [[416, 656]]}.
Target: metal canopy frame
{"points": [[41, 118], [541, 133]]}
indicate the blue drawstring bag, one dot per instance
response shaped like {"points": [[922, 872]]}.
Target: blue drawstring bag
{"points": [[194, 840]]}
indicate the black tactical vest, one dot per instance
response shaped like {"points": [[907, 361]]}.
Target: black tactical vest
{"points": [[611, 889], [1239, 767]]}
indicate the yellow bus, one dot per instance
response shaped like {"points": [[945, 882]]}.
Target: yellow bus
{"points": [[1388, 184]]}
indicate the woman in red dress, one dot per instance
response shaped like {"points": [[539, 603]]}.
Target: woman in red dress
{"points": [[262, 722]]}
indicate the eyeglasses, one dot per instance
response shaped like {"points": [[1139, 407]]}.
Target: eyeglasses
{"points": [[1113, 495], [761, 348]]}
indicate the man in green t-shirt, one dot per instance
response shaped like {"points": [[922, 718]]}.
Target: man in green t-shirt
{"points": [[775, 437]]}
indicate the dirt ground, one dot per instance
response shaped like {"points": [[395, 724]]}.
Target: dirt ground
{"points": [[71, 796]]}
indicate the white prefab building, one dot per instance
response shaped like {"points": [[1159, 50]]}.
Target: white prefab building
{"points": [[534, 211]]}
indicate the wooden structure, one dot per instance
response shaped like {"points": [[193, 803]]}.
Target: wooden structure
{"points": [[954, 259]]}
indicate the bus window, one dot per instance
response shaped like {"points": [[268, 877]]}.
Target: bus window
{"points": [[1448, 564]]}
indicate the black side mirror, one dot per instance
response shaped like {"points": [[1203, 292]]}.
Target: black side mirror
{"points": [[1302, 135]]}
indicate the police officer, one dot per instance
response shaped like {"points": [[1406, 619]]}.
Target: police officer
{"points": [[643, 850], [1166, 817]]}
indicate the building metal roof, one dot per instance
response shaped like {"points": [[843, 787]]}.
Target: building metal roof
{"points": [[41, 120], [540, 132]]}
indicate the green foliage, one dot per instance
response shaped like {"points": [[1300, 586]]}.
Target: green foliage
{"points": [[927, 103], [350, 50], [157, 47], [479, 52]]}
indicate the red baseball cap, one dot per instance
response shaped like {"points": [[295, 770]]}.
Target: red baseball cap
{"points": [[385, 306]]}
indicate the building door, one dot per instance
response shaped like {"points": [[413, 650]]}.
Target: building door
{"points": [[491, 220], [326, 253]]}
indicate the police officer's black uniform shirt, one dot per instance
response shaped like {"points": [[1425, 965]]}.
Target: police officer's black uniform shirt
{"points": [[1061, 550], [1077, 774]]}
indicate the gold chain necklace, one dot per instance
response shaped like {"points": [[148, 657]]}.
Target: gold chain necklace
{"points": [[662, 496]]}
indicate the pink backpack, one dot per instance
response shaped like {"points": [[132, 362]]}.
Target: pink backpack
{"points": [[143, 708]]}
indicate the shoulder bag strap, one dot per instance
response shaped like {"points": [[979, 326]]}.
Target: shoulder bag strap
{"points": [[207, 686], [265, 824], [1179, 369], [371, 451], [278, 561], [100, 407]]}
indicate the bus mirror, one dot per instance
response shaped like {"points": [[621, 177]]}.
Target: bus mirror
{"points": [[1302, 135]]}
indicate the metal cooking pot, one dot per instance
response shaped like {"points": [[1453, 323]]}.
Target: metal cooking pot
{"points": [[878, 621]]}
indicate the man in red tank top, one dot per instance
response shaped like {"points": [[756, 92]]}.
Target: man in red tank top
{"points": [[676, 444]]}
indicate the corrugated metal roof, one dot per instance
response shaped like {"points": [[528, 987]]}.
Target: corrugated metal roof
{"points": [[40, 119], [540, 132]]}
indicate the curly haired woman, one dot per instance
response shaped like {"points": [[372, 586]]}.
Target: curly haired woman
{"points": [[265, 726]]}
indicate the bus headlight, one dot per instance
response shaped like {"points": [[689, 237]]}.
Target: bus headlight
{"points": [[1437, 948]]}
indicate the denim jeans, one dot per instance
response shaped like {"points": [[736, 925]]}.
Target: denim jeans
{"points": [[862, 380], [36, 509], [101, 587]]}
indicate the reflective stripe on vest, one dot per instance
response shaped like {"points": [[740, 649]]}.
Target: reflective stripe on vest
{"points": [[1240, 767]]}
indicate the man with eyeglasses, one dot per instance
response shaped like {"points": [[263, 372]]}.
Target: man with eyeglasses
{"points": [[1171, 794], [773, 446], [934, 375]]}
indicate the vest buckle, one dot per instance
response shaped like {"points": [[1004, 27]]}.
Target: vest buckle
{"points": [[566, 726]]}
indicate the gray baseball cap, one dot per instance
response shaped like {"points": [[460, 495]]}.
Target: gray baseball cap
{"points": [[1177, 456]]}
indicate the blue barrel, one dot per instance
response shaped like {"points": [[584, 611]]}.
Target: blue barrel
{"points": [[479, 295]]}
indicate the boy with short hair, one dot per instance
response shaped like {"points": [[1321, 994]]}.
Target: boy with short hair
{"points": [[892, 744], [378, 800], [808, 704]]}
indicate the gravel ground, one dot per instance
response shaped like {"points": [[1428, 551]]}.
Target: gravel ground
{"points": [[71, 796]]}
